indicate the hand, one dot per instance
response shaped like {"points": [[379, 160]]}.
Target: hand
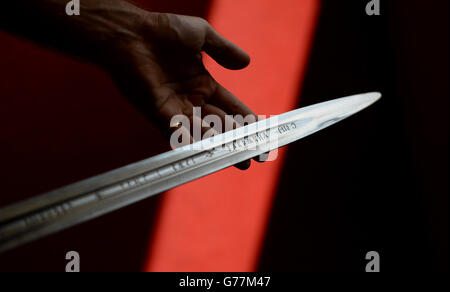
{"points": [[155, 59], [162, 73]]}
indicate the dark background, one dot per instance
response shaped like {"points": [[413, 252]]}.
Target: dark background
{"points": [[383, 187]]}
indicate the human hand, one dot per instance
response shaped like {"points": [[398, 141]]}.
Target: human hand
{"points": [[161, 70], [155, 59]]}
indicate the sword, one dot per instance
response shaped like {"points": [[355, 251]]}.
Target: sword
{"points": [[79, 202]]}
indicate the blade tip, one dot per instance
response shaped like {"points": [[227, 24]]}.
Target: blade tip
{"points": [[371, 97], [375, 95]]}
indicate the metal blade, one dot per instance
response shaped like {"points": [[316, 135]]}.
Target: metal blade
{"points": [[93, 197]]}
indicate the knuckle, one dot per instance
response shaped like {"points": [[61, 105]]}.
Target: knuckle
{"points": [[202, 21], [204, 24], [162, 19]]}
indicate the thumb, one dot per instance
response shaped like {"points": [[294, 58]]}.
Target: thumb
{"points": [[224, 51]]}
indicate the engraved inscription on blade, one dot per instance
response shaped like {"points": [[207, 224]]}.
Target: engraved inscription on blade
{"points": [[76, 203]]}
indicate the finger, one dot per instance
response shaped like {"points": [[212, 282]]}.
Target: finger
{"points": [[224, 51], [213, 110], [229, 103], [172, 114], [244, 165], [210, 109]]}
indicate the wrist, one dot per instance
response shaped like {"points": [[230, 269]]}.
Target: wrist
{"points": [[106, 28]]}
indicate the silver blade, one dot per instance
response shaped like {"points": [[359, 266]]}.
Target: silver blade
{"points": [[93, 197]]}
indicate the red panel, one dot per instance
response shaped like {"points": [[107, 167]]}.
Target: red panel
{"points": [[218, 223]]}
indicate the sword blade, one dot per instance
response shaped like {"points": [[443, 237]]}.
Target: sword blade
{"points": [[57, 210]]}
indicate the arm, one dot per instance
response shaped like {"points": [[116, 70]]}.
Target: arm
{"points": [[101, 25]]}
